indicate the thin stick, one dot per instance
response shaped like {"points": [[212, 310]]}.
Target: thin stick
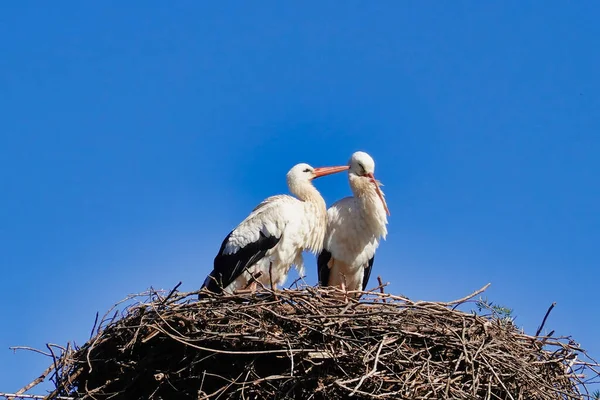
{"points": [[55, 360], [94, 326], [373, 370], [15, 348], [233, 352], [32, 396], [170, 293], [537, 333], [36, 381], [381, 285], [462, 300]]}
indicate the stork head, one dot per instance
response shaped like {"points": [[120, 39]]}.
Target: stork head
{"points": [[301, 174], [304, 172], [362, 169]]}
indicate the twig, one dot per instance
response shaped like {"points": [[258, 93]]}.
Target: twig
{"points": [[373, 370], [381, 288], [95, 323], [539, 330], [37, 381], [54, 360], [240, 352], [164, 301], [32, 396], [462, 300], [15, 348]]}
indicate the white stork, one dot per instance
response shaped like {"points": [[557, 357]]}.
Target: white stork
{"points": [[265, 245], [354, 228]]}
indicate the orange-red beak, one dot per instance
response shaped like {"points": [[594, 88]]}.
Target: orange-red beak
{"points": [[322, 171], [372, 177]]}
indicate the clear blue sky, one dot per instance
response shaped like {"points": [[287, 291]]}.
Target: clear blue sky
{"points": [[134, 136]]}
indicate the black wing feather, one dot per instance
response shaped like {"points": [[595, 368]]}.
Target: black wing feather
{"points": [[322, 267], [227, 267], [367, 273]]}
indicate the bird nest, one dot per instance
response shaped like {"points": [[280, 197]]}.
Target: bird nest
{"points": [[314, 343]]}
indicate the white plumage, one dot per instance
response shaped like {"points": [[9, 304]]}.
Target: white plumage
{"points": [[265, 245], [355, 226]]}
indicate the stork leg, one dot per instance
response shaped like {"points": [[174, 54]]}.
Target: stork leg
{"points": [[253, 286], [271, 275], [273, 286], [344, 289]]}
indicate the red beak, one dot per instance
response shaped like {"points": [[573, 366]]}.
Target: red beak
{"points": [[322, 171], [372, 177]]}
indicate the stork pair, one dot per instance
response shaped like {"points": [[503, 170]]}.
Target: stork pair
{"points": [[264, 246]]}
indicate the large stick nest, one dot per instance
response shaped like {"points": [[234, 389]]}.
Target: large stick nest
{"points": [[311, 344]]}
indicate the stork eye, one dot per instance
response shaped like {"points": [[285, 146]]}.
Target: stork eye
{"points": [[306, 170], [362, 167]]}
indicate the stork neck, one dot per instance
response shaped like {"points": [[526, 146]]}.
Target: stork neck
{"points": [[315, 215], [361, 187], [369, 204], [364, 190], [305, 191]]}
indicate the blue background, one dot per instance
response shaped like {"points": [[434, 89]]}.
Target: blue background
{"points": [[134, 136]]}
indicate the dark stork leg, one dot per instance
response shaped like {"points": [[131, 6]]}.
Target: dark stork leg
{"points": [[273, 288]]}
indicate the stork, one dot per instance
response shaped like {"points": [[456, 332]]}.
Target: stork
{"points": [[265, 245], [354, 228]]}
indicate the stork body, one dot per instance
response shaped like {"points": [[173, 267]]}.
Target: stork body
{"points": [[355, 226], [265, 245]]}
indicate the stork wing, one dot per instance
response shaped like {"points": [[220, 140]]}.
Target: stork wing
{"points": [[227, 267], [323, 270], [249, 242], [367, 273]]}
